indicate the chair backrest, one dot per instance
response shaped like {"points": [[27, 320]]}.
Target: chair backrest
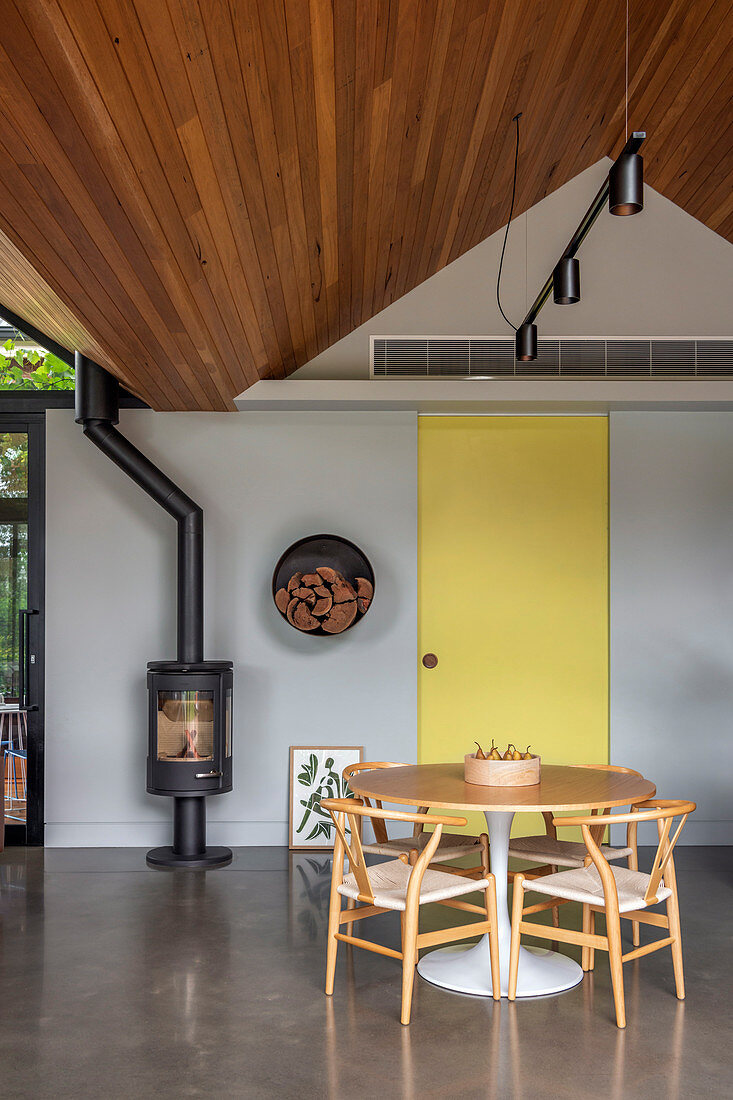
{"points": [[661, 810], [353, 810], [380, 829], [598, 831], [368, 766], [609, 768]]}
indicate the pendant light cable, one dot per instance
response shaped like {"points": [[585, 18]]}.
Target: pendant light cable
{"points": [[526, 263], [627, 70], [506, 233]]}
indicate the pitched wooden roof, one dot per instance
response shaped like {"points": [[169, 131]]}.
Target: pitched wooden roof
{"points": [[202, 193]]}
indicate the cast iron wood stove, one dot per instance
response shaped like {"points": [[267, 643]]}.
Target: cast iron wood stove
{"points": [[189, 751], [190, 699]]}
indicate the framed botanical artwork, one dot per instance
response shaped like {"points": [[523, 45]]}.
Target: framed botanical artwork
{"points": [[315, 773]]}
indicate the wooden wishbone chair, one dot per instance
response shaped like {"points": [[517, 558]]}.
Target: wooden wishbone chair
{"points": [[617, 892], [451, 846], [401, 885], [551, 852]]}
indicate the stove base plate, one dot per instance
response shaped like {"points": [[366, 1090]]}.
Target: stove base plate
{"points": [[166, 857]]}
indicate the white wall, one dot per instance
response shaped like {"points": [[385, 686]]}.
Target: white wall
{"points": [[636, 280], [671, 602], [263, 480]]}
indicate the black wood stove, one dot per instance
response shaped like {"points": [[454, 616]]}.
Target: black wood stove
{"points": [[190, 700], [189, 752]]}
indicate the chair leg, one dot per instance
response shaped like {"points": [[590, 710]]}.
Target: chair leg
{"points": [[592, 950], [633, 865], [673, 919], [484, 846], [517, 906], [492, 917], [555, 916], [613, 933], [334, 911], [585, 951], [409, 959]]}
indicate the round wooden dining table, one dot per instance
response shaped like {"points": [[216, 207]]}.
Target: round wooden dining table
{"points": [[467, 969]]}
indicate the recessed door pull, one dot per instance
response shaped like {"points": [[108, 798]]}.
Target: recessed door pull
{"points": [[430, 660], [208, 775]]}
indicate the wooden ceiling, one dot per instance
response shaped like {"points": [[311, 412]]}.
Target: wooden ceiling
{"points": [[203, 193]]}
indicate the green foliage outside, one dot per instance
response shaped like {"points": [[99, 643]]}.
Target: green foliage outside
{"points": [[13, 552], [30, 369], [13, 464]]}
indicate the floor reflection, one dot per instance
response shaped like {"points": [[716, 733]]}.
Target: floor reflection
{"points": [[508, 1050], [309, 888], [12, 879], [186, 937], [189, 974]]}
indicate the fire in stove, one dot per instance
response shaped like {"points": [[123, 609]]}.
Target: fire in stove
{"points": [[185, 725]]}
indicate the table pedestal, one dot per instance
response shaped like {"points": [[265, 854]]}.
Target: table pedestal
{"points": [[468, 969]]}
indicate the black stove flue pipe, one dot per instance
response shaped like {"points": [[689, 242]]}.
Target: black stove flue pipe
{"points": [[97, 410]]}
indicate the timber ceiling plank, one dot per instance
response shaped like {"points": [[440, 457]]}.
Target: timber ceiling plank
{"points": [[449, 72], [365, 41], [202, 193]]}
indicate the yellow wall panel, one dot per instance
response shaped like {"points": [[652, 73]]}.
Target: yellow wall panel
{"points": [[513, 586]]}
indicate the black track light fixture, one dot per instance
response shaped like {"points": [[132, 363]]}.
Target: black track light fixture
{"points": [[566, 281], [526, 343], [623, 189], [626, 185]]}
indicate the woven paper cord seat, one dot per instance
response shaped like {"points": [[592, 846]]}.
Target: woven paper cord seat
{"points": [[583, 884], [389, 885], [559, 853], [450, 846]]}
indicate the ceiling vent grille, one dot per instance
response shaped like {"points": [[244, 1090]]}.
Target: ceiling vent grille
{"points": [[490, 356]]}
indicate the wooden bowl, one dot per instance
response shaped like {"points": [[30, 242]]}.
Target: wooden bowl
{"points": [[501, 773]]}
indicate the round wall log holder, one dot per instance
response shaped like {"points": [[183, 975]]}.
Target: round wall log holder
{"points": [[323, 585]]}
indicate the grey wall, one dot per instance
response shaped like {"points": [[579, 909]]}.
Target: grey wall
{"points": [[671, 586], [267, 478], [263, 480], [636, 275]]}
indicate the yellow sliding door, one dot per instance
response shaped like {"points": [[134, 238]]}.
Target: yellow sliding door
{"points": [[513, 587]]}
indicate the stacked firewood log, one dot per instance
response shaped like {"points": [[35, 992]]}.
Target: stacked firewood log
{"points": [[323, 599]]}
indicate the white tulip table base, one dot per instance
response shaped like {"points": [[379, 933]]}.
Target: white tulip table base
{"points": [[468, 969]]}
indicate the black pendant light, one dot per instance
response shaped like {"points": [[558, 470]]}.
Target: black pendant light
{"points": [[626, 178], [626, 185], [623, 189], [526, 343], [566, 281]]}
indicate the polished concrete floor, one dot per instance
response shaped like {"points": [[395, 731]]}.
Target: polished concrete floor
{"points": [[117, 981]]}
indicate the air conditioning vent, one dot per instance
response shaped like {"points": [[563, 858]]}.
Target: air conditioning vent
{"points": [[628, 358], [672, 358], [714, 357], [583, 358], [479, 356]]}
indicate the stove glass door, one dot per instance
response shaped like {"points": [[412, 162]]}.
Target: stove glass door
{"points": [[185, 726]]}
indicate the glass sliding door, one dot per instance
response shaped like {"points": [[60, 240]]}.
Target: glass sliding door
{"points": [[21, 627], [13, 556]]}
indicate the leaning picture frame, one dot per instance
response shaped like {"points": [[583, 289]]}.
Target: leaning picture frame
{"points": [[315, 773]]}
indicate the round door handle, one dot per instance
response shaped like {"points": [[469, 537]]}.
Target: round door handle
{"points": [[430, 660]]}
